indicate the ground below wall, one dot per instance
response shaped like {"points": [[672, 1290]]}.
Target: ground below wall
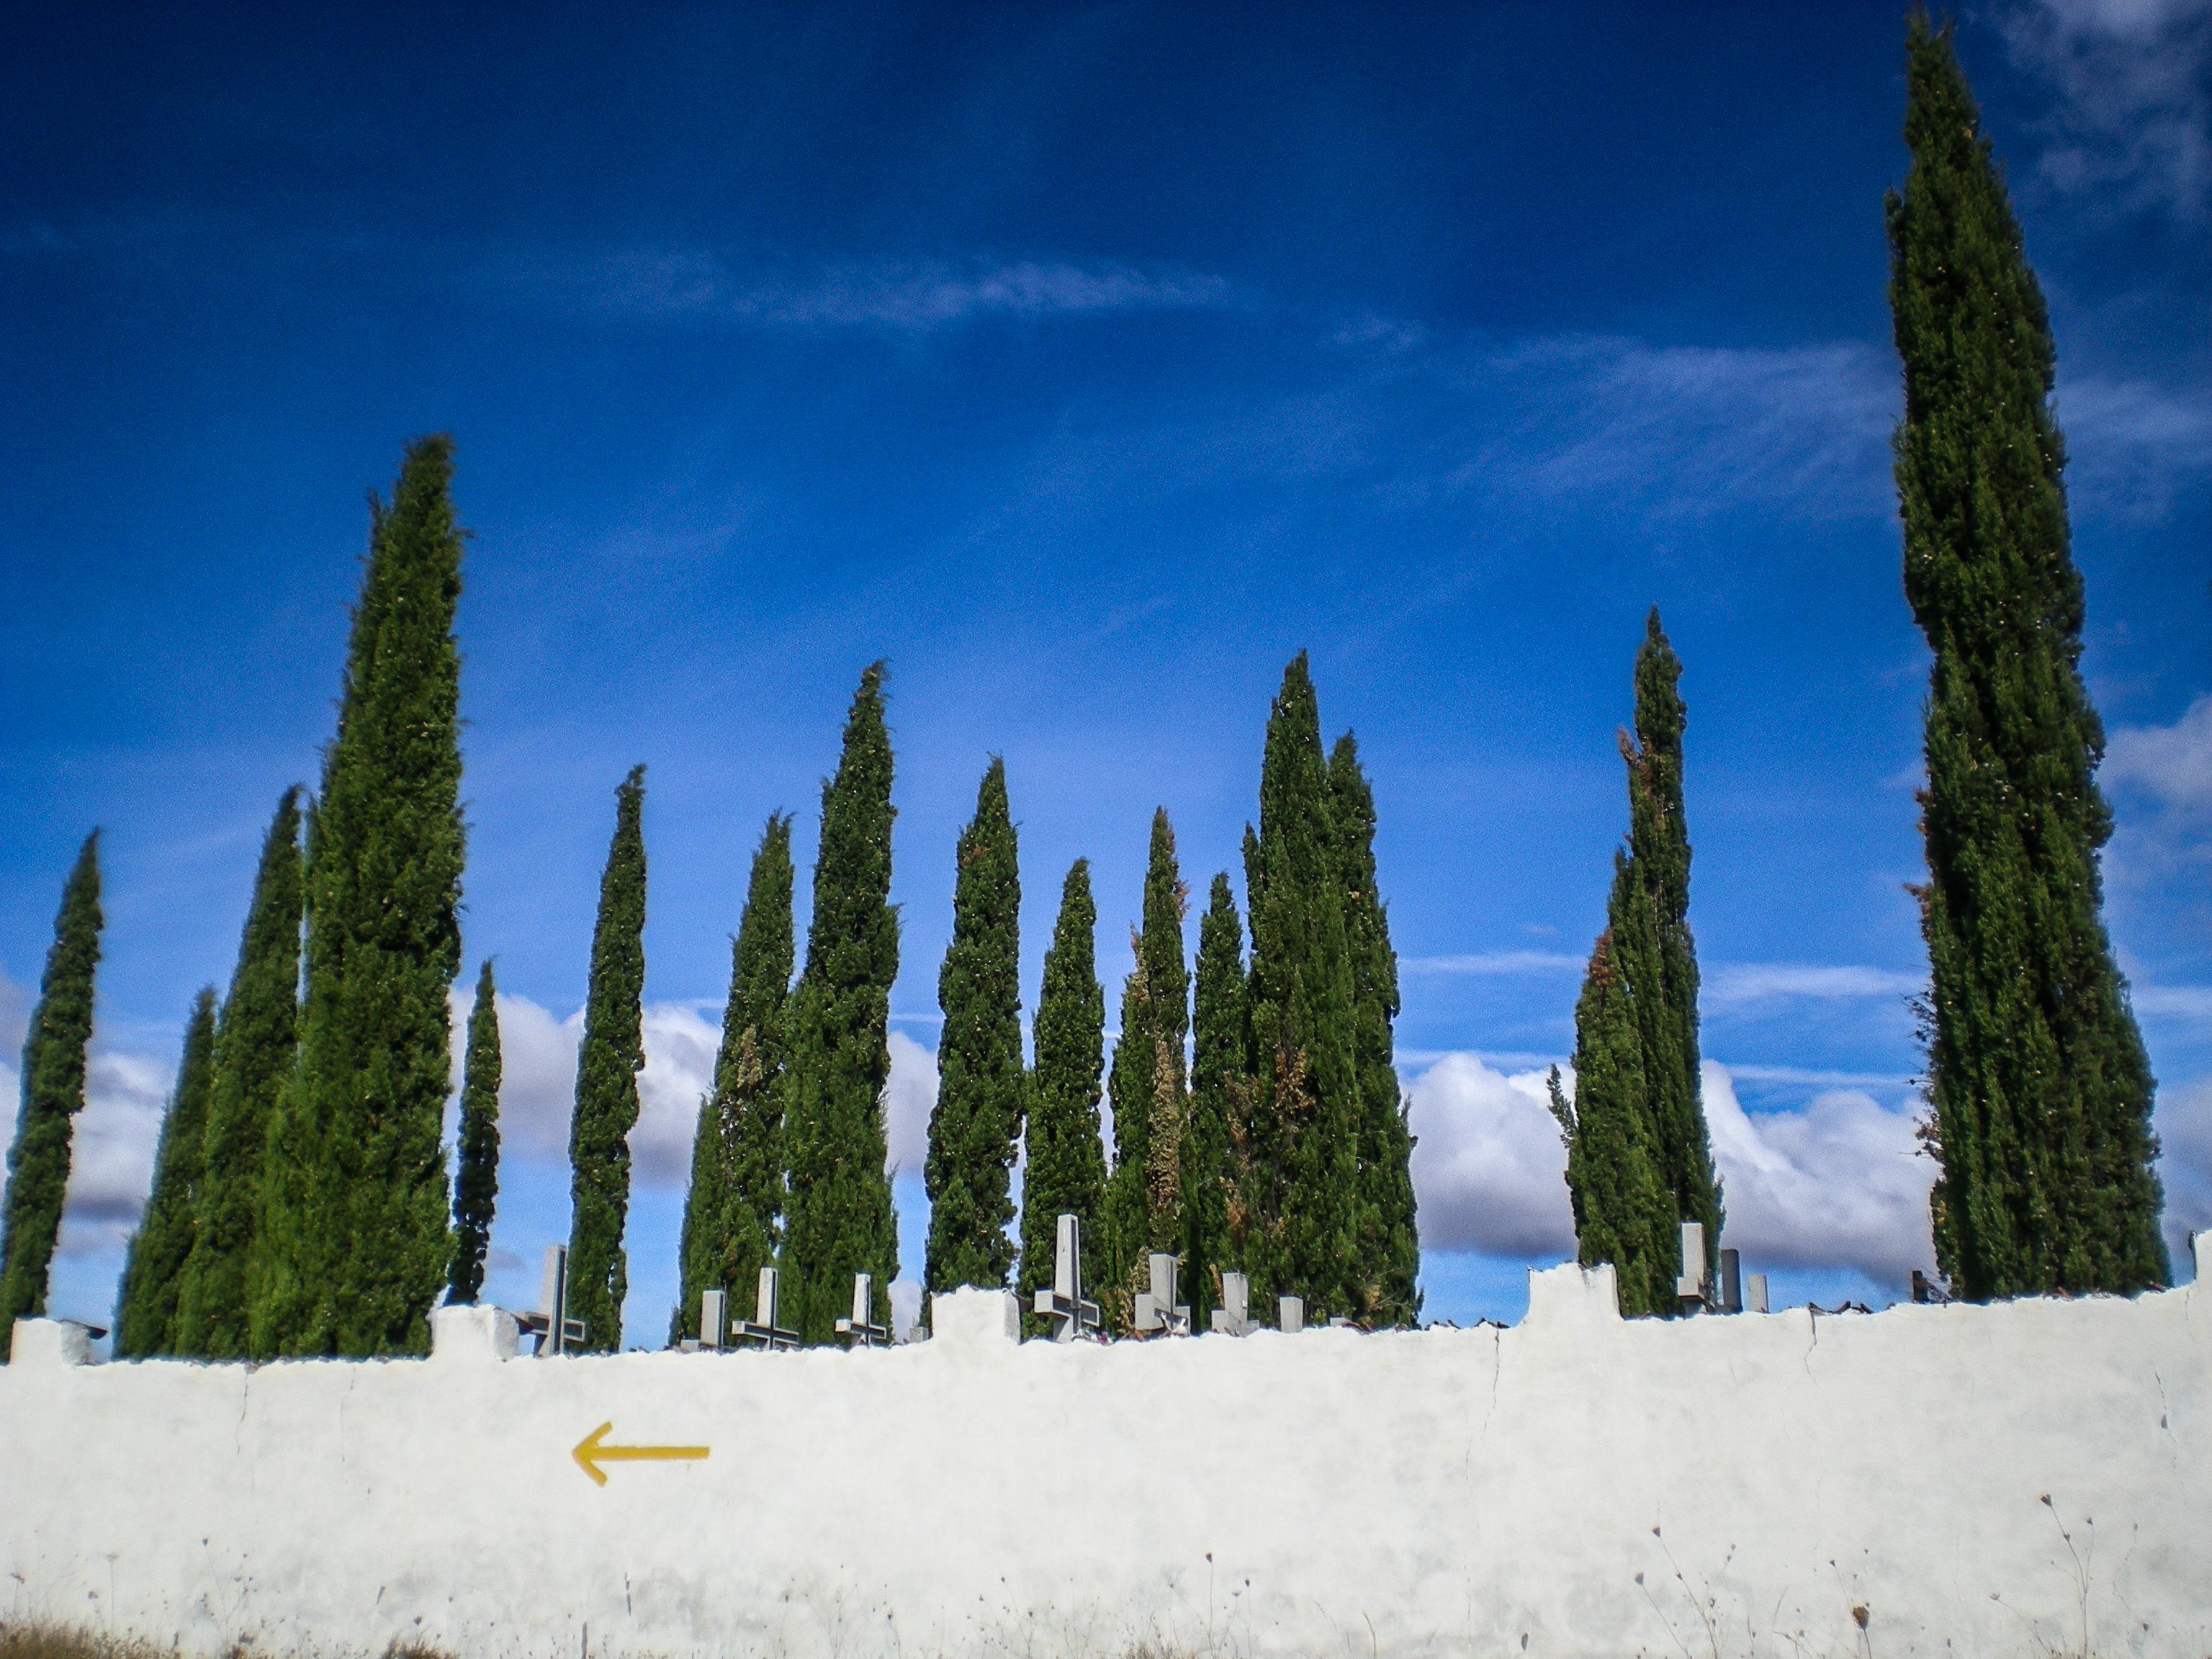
{"points": [[2030, 1478]]}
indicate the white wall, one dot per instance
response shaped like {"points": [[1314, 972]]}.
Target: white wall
{"points": [[1980, 1480]]}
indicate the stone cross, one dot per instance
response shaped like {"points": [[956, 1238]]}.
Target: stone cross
{"points": [[1156, 1310], [761, 1327], [1754, 1292], [861, 1326], [1063, 1304], [1290, 1314], [1234, 1316], [1727, 1296], [556, 1332], [711, 1306]]}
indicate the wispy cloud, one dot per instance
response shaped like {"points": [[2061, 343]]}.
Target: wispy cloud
{"points": [[908, 297], [2174, 1001], [1495, 964], [2133, 80], [1737, 983], [2172, 764], [2131, 446]]}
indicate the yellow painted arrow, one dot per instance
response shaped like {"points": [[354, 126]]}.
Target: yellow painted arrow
{"points": [[591, 1451]]}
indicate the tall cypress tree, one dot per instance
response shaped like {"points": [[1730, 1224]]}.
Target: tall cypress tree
{"points": [[1219, 1040], [475, 1182], [1623, 1212], [1389, 1248], [256, 1041], [2038, 1083], [1066, 1170], [841, 1220], [1302, 1199], [53, 1094], [975, 1129], [353, 1245], [1642, 986], [1148, 1086], [146, 1311], [607, 1065], [734, 1204]]}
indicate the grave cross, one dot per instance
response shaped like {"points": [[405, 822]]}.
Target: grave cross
{"points": [[861, 1326], [1063, 1304], [711, 1306], [1156, 1310], [556, 1332], [1234, 1316], [1290, 1315], [1690, 1283], [763, 1328]]}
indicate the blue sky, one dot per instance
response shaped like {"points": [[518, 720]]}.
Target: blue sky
{"points": [[1086, 362]]}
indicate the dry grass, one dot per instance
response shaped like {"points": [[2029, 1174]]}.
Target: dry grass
{"points": [[56, 1642]]}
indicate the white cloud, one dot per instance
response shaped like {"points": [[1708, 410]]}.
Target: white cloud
{"points": [[1838, 1182], [1489, 1171], [2175, 1001], [2183, 1121], [679, 1072], [911, 296], [2131, 446], [1834, 1183], [2133, 117], [1758, 981], [908, 1099], [112, 1154], [2172, 764]]}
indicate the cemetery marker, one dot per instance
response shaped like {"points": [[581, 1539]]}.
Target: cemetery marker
{"points": [[591, 1451]]}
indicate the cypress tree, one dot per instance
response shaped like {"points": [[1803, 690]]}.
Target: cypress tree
{"points": [[353, 1244], [53, 1094], [2039, 1087], [1065, 1171], [840, 1218], [1388, 1249], [1303, 1205], [1664, 957], [607, 1065], [734, 1204], [475, 1182], [1218, 1090], [1147, 1085], [146, 1311], [1642, 987], [1623, 1211], [975, 1127], [256, 1039]]}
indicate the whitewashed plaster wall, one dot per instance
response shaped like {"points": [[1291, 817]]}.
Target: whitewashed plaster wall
{"points": [[2031, 1478]]}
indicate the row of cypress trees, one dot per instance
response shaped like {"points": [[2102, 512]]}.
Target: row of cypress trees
{"points": [[1277, 1145]]}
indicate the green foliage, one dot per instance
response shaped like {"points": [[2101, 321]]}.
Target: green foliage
{"points": [[1623, 1211], [1065, 1174], [53, 1094], [1388, 1249], [840, 1220], [1637, 1126], [2038, 1083], [476, 1182], [976, 1124], [256, 1041], [1299, 1156], [1218, 1090], [146, 1311], [353, 1245], [607, 1065], [1150, 1094], [735, 1201]]}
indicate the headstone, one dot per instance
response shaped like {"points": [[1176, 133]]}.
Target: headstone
{"points": [[1063, 1304], [1290, 1314], [763, 1328], [1730, 1299], [712, 1304], [1234, 1316], [556, 1332], [1690, 1283], [1156, 1311], [1754, 1292], [861, 1326]]}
